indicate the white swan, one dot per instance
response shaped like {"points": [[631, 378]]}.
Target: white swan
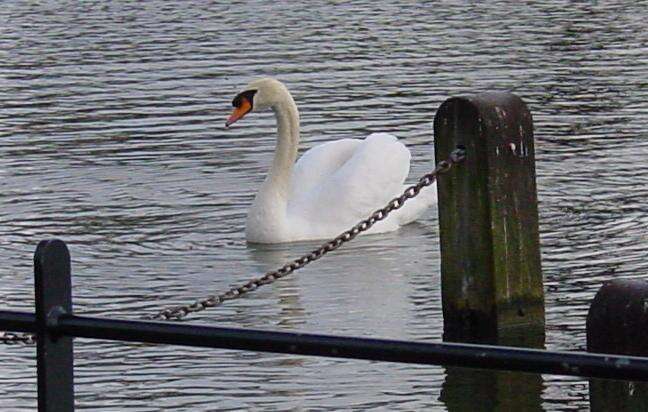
{"points": [[332, 187]]}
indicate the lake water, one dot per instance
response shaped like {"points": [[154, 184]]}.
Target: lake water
{"points": [[112, 138]]}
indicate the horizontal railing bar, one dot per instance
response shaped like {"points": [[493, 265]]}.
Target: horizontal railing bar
{"points": [[447, 354], [17, 321]]}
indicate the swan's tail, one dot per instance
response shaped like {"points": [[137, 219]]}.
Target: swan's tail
{"points": [[414, 208]]}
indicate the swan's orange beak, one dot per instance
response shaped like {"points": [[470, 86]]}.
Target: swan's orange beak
{"points": [[239, 112]]}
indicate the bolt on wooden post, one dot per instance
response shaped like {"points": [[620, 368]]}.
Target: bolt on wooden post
{"points": [[488, 217]]}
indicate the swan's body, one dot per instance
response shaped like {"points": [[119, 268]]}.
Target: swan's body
{"points": [[332, 187]]}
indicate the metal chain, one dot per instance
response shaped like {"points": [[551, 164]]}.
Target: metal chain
{"points": [[11, 338], [179, 312]]}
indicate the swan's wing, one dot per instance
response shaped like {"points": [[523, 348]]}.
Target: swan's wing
{"points": [[371, 176], [319, 163]]}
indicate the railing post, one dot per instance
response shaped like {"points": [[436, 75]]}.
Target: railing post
{"points": [[488, 216], [617, 323], [54, 353]]}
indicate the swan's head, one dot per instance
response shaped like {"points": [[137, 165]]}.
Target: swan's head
{"points": [[256, 96]]}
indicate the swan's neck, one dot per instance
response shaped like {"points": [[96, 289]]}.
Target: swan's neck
{"points": [[278, 180], [268, 212], [267, 219]]}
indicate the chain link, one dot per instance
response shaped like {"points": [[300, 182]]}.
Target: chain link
{"points": [[179, 312], [11, 338]]}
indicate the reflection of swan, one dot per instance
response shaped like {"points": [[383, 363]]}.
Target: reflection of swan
{"points": [[332, 186], [347, 284]]}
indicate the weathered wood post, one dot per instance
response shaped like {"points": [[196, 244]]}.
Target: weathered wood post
{"points": [[490, 255], [54, 354], [488, 215], [617, 323]]}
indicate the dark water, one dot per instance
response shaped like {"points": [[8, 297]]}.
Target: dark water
{"points": [[111, 138]]}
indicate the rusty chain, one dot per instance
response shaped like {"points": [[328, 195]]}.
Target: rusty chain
{"points": [[179, 312]]}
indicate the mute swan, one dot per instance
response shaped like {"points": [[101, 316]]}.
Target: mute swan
{"points": [[332, 187]]}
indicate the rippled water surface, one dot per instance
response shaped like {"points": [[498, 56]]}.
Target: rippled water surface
{"points": [[112, 138]]}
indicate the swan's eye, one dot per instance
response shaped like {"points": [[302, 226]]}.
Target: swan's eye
{"points": [[247, 95]]}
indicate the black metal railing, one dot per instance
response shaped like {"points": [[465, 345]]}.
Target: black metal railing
{"points": [[55, 326]]}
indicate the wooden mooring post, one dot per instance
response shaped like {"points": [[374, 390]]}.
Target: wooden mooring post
{"points": [[488, 215], [617, 323], [491, 278]]}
